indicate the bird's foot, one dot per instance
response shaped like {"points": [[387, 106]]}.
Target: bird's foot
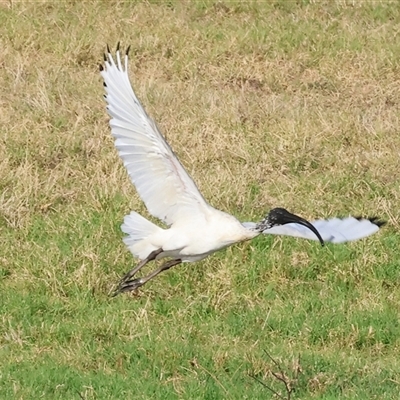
{"points": [[128, 286]]}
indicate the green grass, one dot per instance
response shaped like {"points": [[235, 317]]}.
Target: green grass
{"points": [[279, 103]]}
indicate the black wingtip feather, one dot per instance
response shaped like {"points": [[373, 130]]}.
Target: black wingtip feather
{"points": [[101, 68], [104, 84], [105, 57], [108, 49], [374, 220], [378, 222], [118, 46], [127, 50]]}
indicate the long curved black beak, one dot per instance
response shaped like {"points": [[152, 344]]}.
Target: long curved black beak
{"points": [[280, 216]]}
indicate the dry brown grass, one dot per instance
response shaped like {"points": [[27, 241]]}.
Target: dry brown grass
{"points": [[238, 112]]}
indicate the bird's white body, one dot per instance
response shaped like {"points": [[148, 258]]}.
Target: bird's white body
{"points": [[189, 240], [195, 229]]}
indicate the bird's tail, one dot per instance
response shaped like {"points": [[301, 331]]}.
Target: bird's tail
{"points": [[138, 230]]}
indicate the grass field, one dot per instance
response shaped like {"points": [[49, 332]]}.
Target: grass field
{"points": [[279, 103]]}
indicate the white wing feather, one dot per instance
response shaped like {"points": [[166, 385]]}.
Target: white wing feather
{"points": [[335, 230], [160, 179]]}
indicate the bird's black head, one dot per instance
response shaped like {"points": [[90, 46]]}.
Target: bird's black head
{"points": [[280, 216]]}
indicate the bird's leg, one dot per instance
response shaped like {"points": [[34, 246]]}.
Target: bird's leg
{"points": [[152, 256], [129, 285]]}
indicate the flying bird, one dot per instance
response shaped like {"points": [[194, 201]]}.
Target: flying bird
{"points": [[195, 228]]}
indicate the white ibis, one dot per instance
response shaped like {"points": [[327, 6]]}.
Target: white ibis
{"points": [[195, 229]]}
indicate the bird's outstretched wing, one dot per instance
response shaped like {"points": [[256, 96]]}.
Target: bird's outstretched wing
{"points": [[335, 230], [160, 179]]}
